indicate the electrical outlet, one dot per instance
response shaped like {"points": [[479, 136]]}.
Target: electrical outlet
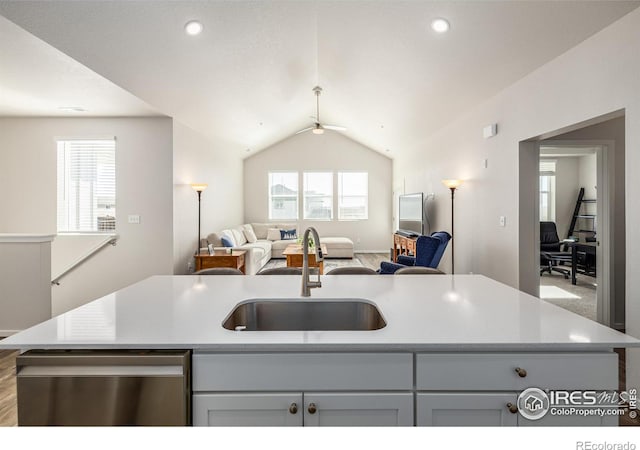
{"points": [[485, 163], [503, 221], [190, 267], [134, 218]]}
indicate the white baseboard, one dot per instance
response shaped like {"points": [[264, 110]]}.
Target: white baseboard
{"points": [[7, 333], [372, 251]]}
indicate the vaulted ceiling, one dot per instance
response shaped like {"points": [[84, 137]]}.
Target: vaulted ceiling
{"points": [[246, 81]]}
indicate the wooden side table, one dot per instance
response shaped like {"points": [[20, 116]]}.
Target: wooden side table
{"points": [[403, 245], [235, 260]]}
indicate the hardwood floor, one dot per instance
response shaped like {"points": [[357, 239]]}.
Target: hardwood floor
{"points": [[372, 260], [8, 399]]}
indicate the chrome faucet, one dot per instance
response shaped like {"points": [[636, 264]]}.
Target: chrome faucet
{"points": [[307, 284]]}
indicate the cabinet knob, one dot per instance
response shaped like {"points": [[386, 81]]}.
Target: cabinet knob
{"points": [[512, 408], [312, 408], [293, 409], [521, 372]]}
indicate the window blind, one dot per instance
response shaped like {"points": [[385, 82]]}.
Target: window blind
{"points": [[86, 185], [547, 167], [283, 195], [353, 199], [318, 195]]}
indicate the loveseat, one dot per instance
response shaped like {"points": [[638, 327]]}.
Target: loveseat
{"points": [[264, 241]]}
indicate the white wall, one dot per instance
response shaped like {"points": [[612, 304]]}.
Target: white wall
{"points": [[597, 77], [327, 152], [143, 186], [198, 160], [587, 175]]}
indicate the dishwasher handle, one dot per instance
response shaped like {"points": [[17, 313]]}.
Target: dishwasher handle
{"points": [[100, 371]]}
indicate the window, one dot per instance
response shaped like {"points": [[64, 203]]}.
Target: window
{"points": [[547, 191], [318, 195], [87, 185], [353, 195], [283, 195]]}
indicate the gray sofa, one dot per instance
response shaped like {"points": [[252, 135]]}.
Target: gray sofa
{"points": [[263, 249]]}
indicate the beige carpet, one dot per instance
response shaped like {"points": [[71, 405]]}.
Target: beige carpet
{"points": [[580, 299]]}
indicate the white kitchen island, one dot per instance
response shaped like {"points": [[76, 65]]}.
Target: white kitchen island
{"points": [[456, 350]]}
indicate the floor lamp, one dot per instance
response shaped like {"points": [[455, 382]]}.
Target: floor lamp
{"points": [[199, 187], [452, 185]]}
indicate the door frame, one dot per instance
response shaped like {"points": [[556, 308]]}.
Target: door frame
{"points": [[529, 272]]}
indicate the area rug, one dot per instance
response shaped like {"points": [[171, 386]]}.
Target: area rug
{"points": [[329, 264]]}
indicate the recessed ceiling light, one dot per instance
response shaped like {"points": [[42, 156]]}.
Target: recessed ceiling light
{"points": [[193, 27], [440, 25], [72, 109], [248, 150]]}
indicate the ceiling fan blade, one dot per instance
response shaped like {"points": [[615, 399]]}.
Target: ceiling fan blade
{"points": [[306, 129], [334, 127]]}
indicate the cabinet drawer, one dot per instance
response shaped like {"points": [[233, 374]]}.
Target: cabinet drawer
{"points": [[248, 410], [486, 371], [302, 371]]}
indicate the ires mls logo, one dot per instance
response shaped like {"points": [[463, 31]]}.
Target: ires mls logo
{"points": [[534, 403]]}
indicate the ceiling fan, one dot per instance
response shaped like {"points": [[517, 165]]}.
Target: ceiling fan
{"points": [[318, 128]]}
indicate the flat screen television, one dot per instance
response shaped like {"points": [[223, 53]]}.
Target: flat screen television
{"points": [[411, 213]]}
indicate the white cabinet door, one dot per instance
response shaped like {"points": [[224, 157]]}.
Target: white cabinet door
{"points": [[465, 409], [358, 409], [251, 410]]}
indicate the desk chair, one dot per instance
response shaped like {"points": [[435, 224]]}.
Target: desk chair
{"points": [[550, 254]]}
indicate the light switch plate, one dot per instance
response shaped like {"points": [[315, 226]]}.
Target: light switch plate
{"points": [[134, 218], [503, 221]]}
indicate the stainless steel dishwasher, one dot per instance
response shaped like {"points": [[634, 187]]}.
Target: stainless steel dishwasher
{"points": [[96, 387]]}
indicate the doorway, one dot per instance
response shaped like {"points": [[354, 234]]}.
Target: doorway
{"points": [[598, 142], [570, 205]]}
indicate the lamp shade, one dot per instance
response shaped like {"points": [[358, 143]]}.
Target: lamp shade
{"points": [[199, 187], [452, 184]]}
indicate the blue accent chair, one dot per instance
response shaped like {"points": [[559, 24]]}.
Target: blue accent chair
{"points": [[429, 251]]}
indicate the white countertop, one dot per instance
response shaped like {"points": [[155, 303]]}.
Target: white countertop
{"points": [[423, 313]]}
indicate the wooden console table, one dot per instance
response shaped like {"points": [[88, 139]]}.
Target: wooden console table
{"points": [[402, 245], [235, 260]]}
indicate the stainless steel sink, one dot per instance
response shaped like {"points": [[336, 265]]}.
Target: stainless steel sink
{"points": [[303, 315]]}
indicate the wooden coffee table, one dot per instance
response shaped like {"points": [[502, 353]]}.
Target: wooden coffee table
{"points": [[235, 260], [293, 253]]}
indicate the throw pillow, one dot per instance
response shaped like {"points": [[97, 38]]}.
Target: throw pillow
{"points": [[273, 234], [214, 239], [238, 236], [288, 234], [260, 229], [229, 235], [226, 241], [249, 234]]}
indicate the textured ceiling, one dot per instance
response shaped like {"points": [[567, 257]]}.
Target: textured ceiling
{"points": [[246, 81], [38, 80]]}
